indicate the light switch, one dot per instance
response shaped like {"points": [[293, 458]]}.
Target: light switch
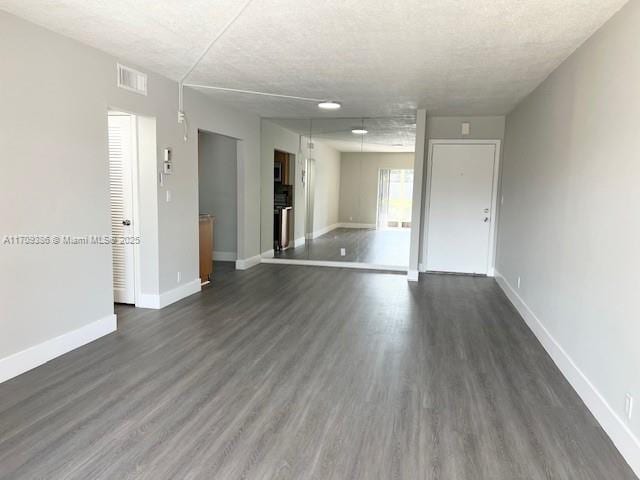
{"points": [[168, 195]]}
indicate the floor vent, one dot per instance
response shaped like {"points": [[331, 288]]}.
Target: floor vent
{"points": [[132, 80]]}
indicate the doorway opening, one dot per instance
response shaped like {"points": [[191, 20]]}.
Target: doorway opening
{"points": [[395, 190], [217, 202], [283, 200], [123, 160]]}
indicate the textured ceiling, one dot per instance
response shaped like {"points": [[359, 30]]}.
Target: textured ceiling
{"points": [[384, 134], [378, 57]]}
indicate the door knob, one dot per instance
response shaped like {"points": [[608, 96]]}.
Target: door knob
{"points": [[486, 219], [126, 222]]}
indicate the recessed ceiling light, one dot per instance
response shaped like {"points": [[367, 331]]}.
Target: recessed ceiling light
{"points": [[329, 105], [359, 131]]}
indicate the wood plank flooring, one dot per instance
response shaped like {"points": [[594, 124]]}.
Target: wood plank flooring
{"points": [[362, 245], [287, 372]]}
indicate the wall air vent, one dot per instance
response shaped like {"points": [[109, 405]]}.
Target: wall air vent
{"points": [[132, 80]]}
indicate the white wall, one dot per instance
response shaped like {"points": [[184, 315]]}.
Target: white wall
{"points": [[481, 127], [359, 183], [56, 93], [570, 223], [275, 137], [217, 188], [327, 186]]}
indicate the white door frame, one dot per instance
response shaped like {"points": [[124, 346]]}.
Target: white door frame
{"points": [[135, 193], [494, 198], [135, 201], [309, 198]]}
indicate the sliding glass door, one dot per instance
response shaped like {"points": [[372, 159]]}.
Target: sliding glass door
{"points": [[395, 189]]}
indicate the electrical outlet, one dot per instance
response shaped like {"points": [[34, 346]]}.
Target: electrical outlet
{"points": [[351, 219], [628, 405], [343, 252], [518, 282], [179, 277]]}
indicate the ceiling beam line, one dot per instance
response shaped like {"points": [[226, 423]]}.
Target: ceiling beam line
{"points": [[215, 39], [254, 92], [204, 54]]}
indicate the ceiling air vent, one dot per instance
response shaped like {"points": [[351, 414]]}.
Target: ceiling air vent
{"points": [[132, 80]]}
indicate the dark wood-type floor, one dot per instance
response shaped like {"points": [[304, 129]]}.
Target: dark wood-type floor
{"points": [[294, 372], [363, 245]]}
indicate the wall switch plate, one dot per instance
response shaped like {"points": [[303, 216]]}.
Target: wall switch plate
{"points": [[518, 282], [168, 195], [466, 128], [343, 252], [179, 277], [628, 405]]}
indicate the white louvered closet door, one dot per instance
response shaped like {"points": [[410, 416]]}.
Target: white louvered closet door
{"points": [[121, 145]]}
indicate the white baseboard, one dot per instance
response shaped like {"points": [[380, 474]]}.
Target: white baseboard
{"points": [[356, 225], [413, 276], [298, 242], [267, 254], [324, 230], [621, 435], [23, 361], [225, 256], [148, 300], [247, 263], [168, 297], [334, 264]]}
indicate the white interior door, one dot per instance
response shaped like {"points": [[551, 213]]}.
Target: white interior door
{"points": [[460, 216], [121, 151]]}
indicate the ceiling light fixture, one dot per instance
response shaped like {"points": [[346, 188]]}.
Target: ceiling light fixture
{"points": [[329, 105], [359, 131]]}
